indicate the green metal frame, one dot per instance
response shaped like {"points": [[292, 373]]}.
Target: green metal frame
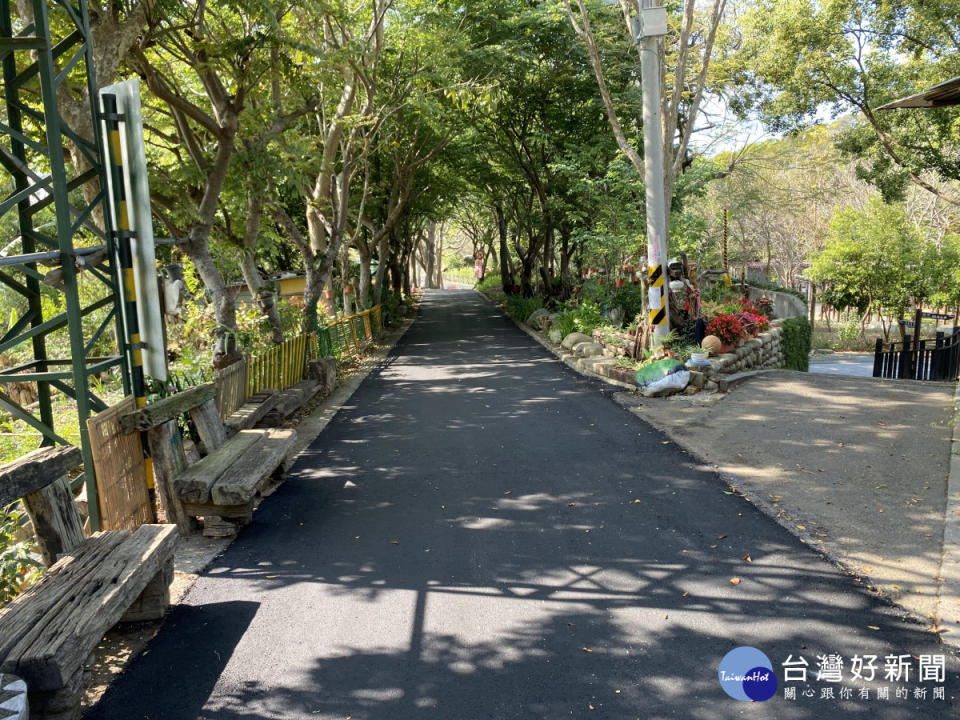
{"points": [[33, 136]]}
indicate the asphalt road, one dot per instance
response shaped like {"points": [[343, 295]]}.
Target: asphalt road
{"points": [[843, 364], [482, 533]]}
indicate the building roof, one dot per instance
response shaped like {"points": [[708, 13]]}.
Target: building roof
{"points": [[946, 93]]}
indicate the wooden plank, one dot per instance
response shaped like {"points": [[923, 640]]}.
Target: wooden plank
{"points": [[243, 512], [35, 470], [121, 471], [256, 464], [193, 485], [69, 615], [55, 520], [166, 449], [251, 412], [209, 425], [167, 409]]}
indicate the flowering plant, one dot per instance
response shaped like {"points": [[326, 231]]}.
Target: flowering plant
{"points": [[728, 328], [752, 323]]}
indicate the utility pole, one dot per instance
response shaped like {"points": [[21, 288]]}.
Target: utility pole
{"points": [[648, 27]]}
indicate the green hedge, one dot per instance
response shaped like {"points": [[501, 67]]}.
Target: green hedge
{"points": [[796, 342]]}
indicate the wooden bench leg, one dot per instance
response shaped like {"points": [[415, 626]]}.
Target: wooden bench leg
{"points": [[155, 598], [62, 704]]}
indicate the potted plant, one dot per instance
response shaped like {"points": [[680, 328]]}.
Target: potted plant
{"points": [[728, 329], [619, 283]]}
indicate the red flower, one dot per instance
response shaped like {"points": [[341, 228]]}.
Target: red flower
{"points": [[726, 327]]}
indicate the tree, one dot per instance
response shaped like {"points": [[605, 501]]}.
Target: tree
{"points": [[800, 56], [871, 261], [692, 41], [206, 64]]}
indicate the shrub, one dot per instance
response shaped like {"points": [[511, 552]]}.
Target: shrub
{"points": [[795, 341], [491, 281], [630, 298], [565, 323], [587, 316], [520, 308], [17, 566], [390, 302]]}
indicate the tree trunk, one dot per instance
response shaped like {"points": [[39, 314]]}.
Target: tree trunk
{"points": [[506, 276], [261, 291], [429, 251], [383, 265], [363, 291]]}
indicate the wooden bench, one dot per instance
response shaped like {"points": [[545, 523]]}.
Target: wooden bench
{"points": [[222, 486], [48, 632]]}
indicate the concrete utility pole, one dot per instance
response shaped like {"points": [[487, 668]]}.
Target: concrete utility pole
{"points": [[648, 28]]}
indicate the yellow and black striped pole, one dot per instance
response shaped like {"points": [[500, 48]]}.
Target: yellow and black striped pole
{"points": [[123, 235], [657, 296]]}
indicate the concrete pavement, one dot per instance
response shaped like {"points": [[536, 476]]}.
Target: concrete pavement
{"points": [[482, 533]]}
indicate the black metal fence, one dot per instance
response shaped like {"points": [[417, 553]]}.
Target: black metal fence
{"points": [[934, 359]]}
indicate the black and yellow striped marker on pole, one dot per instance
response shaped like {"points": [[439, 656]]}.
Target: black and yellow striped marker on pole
{"points": [[658, 311], [123, 234]]}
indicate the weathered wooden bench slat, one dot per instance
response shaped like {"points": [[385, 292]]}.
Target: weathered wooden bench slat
{"points": [[34, 471], [251, 412], [49, 631], [26, 612], [194, 484], [167, 409], [255, 465]]}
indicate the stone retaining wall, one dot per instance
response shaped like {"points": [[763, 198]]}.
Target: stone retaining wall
{"points": [[760, 353]]}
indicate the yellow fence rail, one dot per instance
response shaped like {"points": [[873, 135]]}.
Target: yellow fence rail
{"points": [[279, 368], [345, 335]]}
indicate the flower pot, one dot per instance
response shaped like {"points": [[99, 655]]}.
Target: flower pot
{"points": [[726, 348], [348, 289], [619, 282], [628, 269], [600, 282], [328, 294]]}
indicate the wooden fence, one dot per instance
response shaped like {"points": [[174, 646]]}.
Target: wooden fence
{"points": [[279, 368], [935, 359]]}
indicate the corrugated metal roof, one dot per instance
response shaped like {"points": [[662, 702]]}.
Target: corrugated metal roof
{"points": [[946, 93]]}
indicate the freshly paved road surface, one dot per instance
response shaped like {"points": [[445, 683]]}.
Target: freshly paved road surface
{"points": [[482, 533], [843, 364]]}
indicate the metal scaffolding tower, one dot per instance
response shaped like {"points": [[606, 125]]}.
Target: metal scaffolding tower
{"points": [[55, 224]]}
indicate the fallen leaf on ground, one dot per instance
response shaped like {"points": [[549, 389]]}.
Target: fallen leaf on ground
{"points": [[735, 581], [587, 650], [747, 558], [637, 501], [395, 542], [720, 537], [509, 492], [872, 627]]}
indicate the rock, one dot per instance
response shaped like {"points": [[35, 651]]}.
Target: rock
{"points": [[536, 318], [588, 349], [697, 379], [574, 339], [711, 386], [555, 336], [691, 390]]}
